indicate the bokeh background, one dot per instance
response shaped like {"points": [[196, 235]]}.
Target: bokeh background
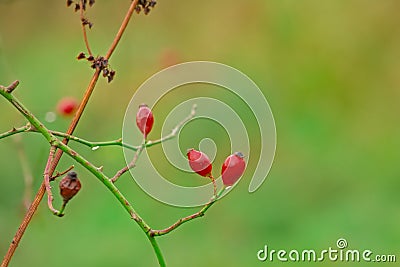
{"points": [[330, 71]]}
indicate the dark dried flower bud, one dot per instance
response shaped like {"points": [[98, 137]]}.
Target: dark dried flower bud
{"points": [[77, 7], [111, 75], [152, 3], [91, 2], [69, 2], [104, 62], [81, 56], [90, 58], [69, 186]]}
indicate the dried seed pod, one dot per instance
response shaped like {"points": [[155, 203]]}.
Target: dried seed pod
{"points": [[69, 186]]}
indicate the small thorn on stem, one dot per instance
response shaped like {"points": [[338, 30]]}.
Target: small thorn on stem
{"points": [[9, 89]]}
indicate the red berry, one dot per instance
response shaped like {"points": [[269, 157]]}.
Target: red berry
{"points": [[233, 168], [144, 119], [67, 106], [199, 162]]}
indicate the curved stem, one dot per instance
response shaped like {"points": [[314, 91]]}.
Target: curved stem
{"points": [[157, 250], [85, 38], [47, 181], [188, 218]]}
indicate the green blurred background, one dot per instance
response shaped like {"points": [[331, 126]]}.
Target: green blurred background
{"points": [[330, 71]]}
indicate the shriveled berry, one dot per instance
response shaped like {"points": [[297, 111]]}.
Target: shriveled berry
{"points": [[199, 162], [144, 119], [67, 106], [233, 168], [69, 186]]}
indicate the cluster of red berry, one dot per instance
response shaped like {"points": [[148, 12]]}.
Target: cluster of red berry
{"points": [[232, 168]]}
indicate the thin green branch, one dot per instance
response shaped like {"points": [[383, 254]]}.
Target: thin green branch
{"points": [[13, 131], [28, 115], [157, 250], [117, 142], [174, 131], [92, 145], [181, 221]]}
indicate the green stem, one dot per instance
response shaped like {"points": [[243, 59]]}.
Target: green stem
{"points": [[28, 115], [15, 131], [90, 144], [61, 212], [157, 250]]}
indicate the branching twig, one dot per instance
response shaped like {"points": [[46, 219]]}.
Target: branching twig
{"points": [[11, 87], [117, 142], [131, 164], [28, 128], [174, 131], [13, 131], [144, 145], [58, 174], [188, 218]]}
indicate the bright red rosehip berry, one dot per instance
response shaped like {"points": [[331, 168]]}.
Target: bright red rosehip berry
{"points": [[233, 168], [144, 119], [199, 162], [67, 106]]}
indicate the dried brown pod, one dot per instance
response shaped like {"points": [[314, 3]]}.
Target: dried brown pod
{"points": [[69, 186]]}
